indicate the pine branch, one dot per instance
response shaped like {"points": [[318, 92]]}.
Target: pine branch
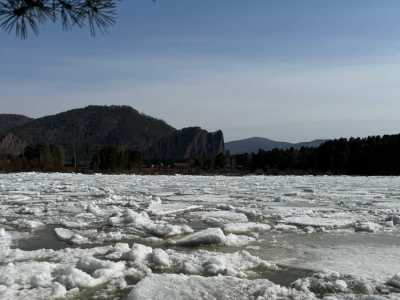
{"points": [[23, 16]]}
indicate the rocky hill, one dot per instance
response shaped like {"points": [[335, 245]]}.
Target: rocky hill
{"points": [[9, 121], [252, 145], [187, 143], [82, 131]]}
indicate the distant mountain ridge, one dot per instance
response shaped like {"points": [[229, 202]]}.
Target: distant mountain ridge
{"points": [[254, 144], [10, 121], [81, 131]]}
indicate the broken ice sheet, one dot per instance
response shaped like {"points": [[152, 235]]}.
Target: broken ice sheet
{"points": [[92, 236]]}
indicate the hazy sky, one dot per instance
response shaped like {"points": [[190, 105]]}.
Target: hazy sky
{"points": [[283, 69]]}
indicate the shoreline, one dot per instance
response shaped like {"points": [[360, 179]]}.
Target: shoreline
{"points": [[205, 174]]}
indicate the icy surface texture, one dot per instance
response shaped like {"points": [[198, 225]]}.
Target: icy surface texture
{"points": [[73, 236]]}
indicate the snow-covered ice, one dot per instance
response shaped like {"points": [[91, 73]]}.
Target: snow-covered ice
{"points": [[183, 287], [203, 237], [74, 236]]}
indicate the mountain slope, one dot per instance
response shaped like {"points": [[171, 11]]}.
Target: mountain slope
{"points": [[312, 144], [9, 121], [80, 131], [252, 145]]}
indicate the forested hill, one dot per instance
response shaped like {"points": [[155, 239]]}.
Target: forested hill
{"points": [[9, 121], [75, 137], [374, 155], [81, 130]]}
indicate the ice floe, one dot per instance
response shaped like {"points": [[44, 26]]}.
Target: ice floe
{"points": [[245, 228], [219, 218], [204, 237]]}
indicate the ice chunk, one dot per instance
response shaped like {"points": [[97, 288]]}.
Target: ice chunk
{"points": [[167, 230], [309, 229], [202, 262], [203, 237], [29, 224], [90, 264], [215, 265], [5, 242], [333, 282], [28, 210], [395, 281], [130, 217], [119, 250], [367, 227], [69, 236], [77, 224], [142, 222], [172, 209], [219, 218], [95, 210], [72, 277], [243, 228], [235, 240], [334, 220], [394, 218], [58, 290], [285, 227], [389, 224], [139, 253], [27, 274], [160, 258], [32, 294], [157, 208]]}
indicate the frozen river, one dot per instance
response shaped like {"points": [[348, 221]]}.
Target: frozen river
{"points": [[71, 236]]}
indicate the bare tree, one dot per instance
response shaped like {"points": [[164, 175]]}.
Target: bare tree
{"points": [[21, 16]]}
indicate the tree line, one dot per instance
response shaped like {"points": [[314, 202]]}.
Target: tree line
{"points": [[374, 155], [44, 157], [35, 157]]}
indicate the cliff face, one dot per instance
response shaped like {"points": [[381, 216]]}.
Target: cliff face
{"points": [[187, 143]]}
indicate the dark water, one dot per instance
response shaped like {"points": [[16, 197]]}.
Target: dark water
{"points": [[286, 275], [44, 238]]}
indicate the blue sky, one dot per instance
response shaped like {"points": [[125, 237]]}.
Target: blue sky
{"points": [[283, 69]]}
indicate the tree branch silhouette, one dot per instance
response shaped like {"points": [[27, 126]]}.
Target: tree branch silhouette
{"points": [[23, 16]]}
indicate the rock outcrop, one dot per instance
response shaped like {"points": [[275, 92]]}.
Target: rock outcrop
{"points": [[186, 144]]}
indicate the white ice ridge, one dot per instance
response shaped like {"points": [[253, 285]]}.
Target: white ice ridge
{"points": [[142, 222], [157, 208], [213, 236]]}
